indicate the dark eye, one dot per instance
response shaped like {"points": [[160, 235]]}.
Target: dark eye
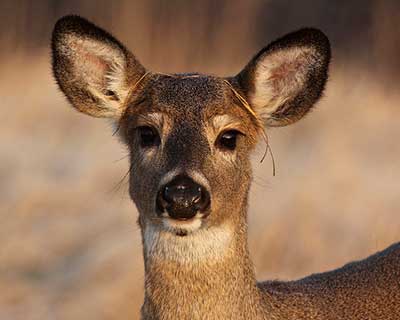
{"points": [[227, 140], [148, 137]]}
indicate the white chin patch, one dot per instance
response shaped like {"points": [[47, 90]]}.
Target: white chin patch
{"points": [[200, 244], [182, 228]]}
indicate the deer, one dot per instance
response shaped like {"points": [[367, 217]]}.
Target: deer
{"points": [[190, 137]]}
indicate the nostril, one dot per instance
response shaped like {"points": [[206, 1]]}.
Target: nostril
{"points": [[166, 194], [204, 201], [161, 202], [197, 196]]}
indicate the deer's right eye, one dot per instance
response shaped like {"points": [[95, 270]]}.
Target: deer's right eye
{"points": [[148, 137]]}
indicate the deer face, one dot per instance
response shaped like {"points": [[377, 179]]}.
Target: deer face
{"points": [[190, 136], [190, 142]]}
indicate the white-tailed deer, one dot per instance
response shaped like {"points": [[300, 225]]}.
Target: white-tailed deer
{"points": [[190, 137]]}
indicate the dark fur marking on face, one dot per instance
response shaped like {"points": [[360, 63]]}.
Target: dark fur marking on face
{"points": [[187, 146]]}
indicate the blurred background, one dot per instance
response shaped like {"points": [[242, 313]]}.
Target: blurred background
{"points": [[70, 246]]}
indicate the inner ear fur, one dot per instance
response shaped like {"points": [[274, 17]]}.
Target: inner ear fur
{"points": [[92, 68], [286, 78]]}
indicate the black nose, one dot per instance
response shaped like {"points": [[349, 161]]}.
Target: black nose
{"points": [[182, 198]]}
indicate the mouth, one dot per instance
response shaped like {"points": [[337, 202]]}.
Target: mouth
{"points": [[182, 228], [182, 221]]}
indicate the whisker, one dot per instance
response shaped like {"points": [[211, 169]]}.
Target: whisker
{"points": [[259, 123], [120, 159], [262, 182], [116, 129], [119, 184], [268, 148]]}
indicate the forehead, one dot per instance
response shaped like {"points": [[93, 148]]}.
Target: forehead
{"points": [[189, 93], [189, 100]]}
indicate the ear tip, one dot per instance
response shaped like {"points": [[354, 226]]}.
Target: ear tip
{"points": [[313, 36], [66, 25], [80, 27], [69, 21], [70, 18], [311, 32], [305, 36], [76, 25], [317, 35]]}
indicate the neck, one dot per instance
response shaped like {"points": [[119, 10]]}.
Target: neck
{"points": [[207, 272]]}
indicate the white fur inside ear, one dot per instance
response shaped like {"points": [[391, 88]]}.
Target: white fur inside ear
{"points": [[116, 79], [103, 68], [280, 76]]}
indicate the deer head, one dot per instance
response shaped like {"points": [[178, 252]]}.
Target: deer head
{"points": [[190, 136]]}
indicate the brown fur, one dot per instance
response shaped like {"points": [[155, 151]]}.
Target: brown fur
{"points": [[205, 272]]}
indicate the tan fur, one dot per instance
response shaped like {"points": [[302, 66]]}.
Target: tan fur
{"points": [[200, 268]]}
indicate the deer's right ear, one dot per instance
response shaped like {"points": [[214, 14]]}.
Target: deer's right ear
{"points": [[92, 68]]}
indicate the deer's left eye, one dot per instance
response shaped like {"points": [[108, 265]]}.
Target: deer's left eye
{"points": [[228, 140], [148, 137]]}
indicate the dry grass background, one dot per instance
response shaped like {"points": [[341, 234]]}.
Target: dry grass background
{"points": [[70, 247]]}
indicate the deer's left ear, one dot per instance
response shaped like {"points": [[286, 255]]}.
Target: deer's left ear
{"points": [[285, 79]]}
